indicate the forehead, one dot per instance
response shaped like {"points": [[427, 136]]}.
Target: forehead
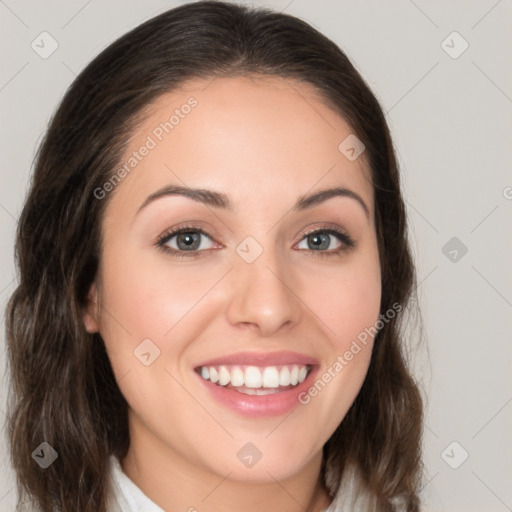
{"points": [[259, 136]]}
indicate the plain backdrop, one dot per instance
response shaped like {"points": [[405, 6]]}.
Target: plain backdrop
{"points": [[442, 70]]}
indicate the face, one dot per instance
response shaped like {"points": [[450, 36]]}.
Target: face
{"points": [[230, 314]]}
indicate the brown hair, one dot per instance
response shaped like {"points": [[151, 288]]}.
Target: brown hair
{"points": [[63, 388]]}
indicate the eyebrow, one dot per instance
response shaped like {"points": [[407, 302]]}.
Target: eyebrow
{"points": [[220, 200]]}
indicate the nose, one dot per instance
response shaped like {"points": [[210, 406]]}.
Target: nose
{"points": [[262, 296]]}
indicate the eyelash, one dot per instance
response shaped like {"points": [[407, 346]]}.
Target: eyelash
{"points": [[347, 241]]}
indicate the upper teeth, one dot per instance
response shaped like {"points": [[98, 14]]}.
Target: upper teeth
{"points": [[255, 376]]}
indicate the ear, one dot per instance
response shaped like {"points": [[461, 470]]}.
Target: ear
{"points": [[91, 311]]}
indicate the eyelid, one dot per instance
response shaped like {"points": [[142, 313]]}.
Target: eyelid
{"points": [[186, 226], [334, 229], [164, 237], [325, 227]]}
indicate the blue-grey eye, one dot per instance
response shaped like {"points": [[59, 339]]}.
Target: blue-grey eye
{"points": [[187, 241], [320, 241]]}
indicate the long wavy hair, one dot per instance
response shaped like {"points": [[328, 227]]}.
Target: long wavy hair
{"points": [[63, 389]]}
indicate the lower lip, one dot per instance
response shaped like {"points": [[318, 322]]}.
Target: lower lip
{"points": [[276, 404]]}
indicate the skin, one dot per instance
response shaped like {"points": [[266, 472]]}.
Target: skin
{"points": [[264, 143]]}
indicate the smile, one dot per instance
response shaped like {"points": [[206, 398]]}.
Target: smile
{"points": [[255, 380], [258, 384]]}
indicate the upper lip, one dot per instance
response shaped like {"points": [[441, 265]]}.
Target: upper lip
{"points": [[261, 359]]}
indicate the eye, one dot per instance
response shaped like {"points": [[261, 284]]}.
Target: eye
{"points": [[192, 241], [185, 241], [322, 239]]}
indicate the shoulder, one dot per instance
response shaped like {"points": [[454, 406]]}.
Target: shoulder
{"points": [[349, 491], [125, 495]]}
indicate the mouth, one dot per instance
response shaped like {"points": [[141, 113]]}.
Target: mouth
{"points": [[255, 380], [260, 384]]}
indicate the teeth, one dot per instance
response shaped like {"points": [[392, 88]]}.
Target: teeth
{"points": [[284, 376], [271, 377], [224, 376], [214, 376], [260, 391], [252, 377], [294, 375], [256, 380], [237, 377]]}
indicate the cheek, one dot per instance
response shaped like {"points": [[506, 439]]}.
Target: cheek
{"points": [[347, 300], [149, 298], [354, 308], [348, 303]]}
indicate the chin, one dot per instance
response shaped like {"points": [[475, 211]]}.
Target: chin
{"points": [[266, 464]]}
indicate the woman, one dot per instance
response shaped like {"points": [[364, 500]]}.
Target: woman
{"points": [[213, 268]]}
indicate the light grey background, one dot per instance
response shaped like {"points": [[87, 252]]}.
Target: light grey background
{"points": [[452, 126]]}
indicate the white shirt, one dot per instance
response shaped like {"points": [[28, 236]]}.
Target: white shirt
{"points": [[127, 497]]}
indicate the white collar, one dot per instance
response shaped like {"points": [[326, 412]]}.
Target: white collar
{"points": [[126, 496]]}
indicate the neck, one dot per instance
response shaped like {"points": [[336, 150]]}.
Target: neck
{"points": [[174, 483]]}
